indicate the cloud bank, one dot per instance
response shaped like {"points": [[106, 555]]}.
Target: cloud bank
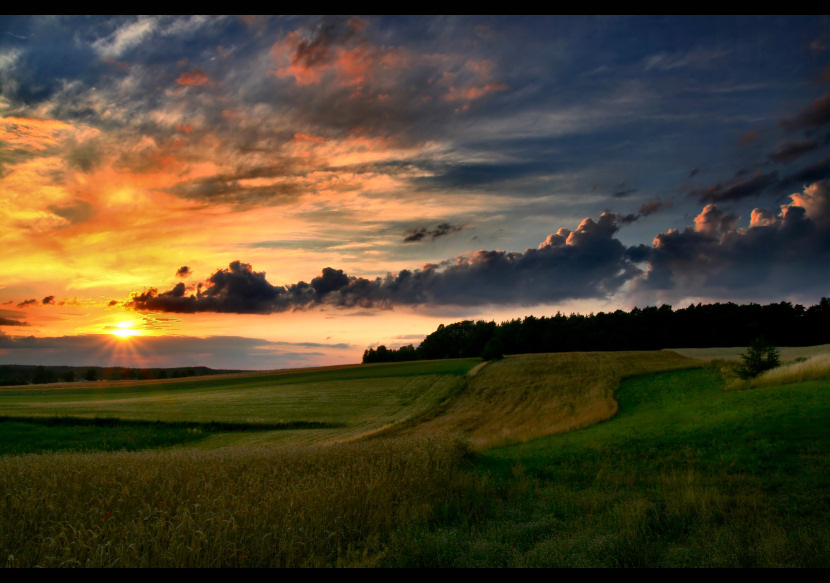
{"points": [[780, 253]]}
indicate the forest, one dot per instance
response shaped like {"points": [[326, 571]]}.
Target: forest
{"points": [[650, 328]]}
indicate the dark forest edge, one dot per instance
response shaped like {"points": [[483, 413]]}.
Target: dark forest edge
{"points": [[26, 374], [650, 328]]}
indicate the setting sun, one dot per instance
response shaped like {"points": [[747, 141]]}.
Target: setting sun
{"points": [[125, 330]]}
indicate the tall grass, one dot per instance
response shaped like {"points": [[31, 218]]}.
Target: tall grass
{"points": [[234, 507], [815, 368]]}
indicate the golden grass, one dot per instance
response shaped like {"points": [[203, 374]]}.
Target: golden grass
{"points": [[815, 368], [248, 506], [525, 397]]}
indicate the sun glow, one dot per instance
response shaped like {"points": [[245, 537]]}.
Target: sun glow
{"points": [[125, 330]]}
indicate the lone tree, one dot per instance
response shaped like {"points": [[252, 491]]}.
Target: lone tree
{"points": [[760, 356]]}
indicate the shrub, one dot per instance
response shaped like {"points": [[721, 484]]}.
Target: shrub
{"points": [[759, 357]]}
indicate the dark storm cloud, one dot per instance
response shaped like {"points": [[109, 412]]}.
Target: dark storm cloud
{"points": [[585, 263], [782, 253], [814, 115], [421, 233], [735, 191], [789, 151], [654, 206], [812, 173]]}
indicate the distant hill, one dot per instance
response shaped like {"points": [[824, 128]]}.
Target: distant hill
{"points": [[26, 374]]}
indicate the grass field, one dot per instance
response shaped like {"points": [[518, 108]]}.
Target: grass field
{"points": [[529, 396], [584, 459], [352, 399], [685, 475]]}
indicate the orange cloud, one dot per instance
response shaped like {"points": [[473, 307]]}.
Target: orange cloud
{"points": [[31, 134], [193, 78]]}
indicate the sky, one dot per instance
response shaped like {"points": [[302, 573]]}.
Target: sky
{"points": [[263, 192]]}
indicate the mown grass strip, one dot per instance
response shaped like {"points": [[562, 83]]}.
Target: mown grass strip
{"points": [[210, 426], [21, 435]]}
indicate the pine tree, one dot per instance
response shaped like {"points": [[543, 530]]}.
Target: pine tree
{"points": [[760, 356]]}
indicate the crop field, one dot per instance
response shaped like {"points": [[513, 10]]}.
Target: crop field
{"points": [[343, 401], [572, 459]]}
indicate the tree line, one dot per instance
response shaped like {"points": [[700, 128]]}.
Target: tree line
{"points": [[650, 328], [16, 374]]}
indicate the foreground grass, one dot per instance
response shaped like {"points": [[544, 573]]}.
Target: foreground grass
{"points": [[260, 507], [685, 475]]}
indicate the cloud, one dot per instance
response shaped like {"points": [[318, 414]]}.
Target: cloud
{"points": [[780, 254], [654, 206], [737, 190], [587, 262], [133, 33], [126, 37], [11, 322], [193, 78], [814, 115], [420, 233], [25, 303], [183, 271], [789, 151], [817, 171], [49, 300], [78, 211]]}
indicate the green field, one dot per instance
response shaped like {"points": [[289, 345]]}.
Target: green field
{"points": [[668, 470], [685, 475], [352, 400]]}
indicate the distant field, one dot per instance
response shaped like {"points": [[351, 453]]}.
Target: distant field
{"points": [[788, 353], [353, 399]]}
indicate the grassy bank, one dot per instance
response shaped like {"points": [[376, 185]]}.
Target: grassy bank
{"points": [[526, 397]]}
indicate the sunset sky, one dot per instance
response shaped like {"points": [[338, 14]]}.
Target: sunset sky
{"points": [[268, 192]]}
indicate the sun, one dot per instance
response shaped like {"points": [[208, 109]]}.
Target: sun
{"points": [[125, 330]]}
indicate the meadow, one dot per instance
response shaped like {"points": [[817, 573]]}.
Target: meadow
{"points": [[571, 459]]}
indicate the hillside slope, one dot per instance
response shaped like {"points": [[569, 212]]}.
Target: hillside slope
{"points": [[529, 396]]}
